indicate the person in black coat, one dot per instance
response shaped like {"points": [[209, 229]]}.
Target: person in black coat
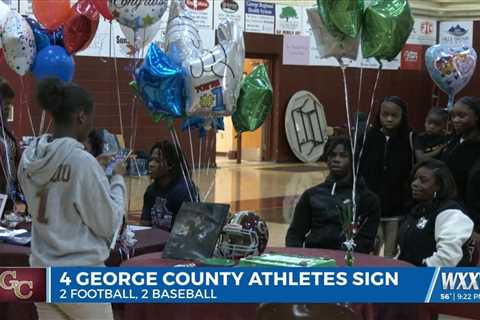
{"points": [[385, 163], [317, 221], [462, 154], [436, 232]]}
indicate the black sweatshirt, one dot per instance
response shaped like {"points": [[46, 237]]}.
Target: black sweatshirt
{"points": [[317, 220], [460, 159], [386, 165]]}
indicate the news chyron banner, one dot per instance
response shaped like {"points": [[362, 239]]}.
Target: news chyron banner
{"points": [[240, 285]]}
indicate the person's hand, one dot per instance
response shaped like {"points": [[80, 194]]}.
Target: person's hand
{"points": [[120, 168], [104, 159]]}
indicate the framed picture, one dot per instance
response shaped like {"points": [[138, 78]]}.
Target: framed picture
{"points": [[3, 202]]}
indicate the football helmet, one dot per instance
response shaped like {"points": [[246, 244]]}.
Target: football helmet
{"points": [[244, 234]]}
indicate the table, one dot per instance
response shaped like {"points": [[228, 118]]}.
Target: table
{"points": [[248, 311], [151, 240]]}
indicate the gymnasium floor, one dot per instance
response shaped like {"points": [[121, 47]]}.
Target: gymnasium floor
{"points": [[271, 190]]}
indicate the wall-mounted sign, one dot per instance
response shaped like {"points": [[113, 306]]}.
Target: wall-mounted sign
{"points": [[424, 32], [456, 33], [296, 50], [259, 17]]}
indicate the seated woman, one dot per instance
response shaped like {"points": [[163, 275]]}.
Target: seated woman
{"points": [[436, 232], [317, 222], [169, 190]]}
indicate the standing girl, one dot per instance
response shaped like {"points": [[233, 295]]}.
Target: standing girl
{"points": [[386, 164], [462, 154], [76, 211]]}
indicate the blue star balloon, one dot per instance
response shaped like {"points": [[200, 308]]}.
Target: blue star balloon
{"points": [[161, 83]]}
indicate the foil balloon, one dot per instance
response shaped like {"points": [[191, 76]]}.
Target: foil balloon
{"points": [[160, 83], [102, 7], [451, 68], [54, 61], [42, 38], [137, 14], [139, 39], [80, 28], [182, 40], [203, 124], [52, 13], [327, 44], [213, 80], [255, 101], [4, 11], [386, 27], [341, 18], [18, 43]]}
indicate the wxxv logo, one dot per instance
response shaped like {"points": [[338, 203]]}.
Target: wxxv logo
{"points": [[461, 280], [22, 284]]}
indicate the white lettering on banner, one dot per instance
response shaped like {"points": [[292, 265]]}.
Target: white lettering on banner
{"points": [[461, 281], [375, 279], [202, 278], [95, 278]]}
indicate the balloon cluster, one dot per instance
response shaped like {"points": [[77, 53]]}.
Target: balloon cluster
{"points": [[337, 28], [45, 44], [200, 85]]}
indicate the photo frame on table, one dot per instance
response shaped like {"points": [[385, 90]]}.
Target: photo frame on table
{"points": [[196, 230]]}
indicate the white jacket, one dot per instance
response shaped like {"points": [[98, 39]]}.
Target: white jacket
{"points": [[452, 229], [81, 211]]}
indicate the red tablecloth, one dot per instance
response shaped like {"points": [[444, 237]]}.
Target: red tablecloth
{"points": [[248, 311], [149, 241]]}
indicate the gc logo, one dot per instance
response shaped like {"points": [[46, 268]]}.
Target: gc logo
{"points": [[8, 281]]}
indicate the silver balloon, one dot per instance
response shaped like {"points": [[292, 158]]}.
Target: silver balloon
{"points": [[213, 80], [182, 41], [328, 45], [139, 39]]}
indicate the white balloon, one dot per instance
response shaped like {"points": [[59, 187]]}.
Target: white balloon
{"points": [[18, 43], [4, 11], [137, 40], [182, 40], [213, 80], [137, 14]]}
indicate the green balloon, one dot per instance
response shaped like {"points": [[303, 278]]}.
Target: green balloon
{"points": [[343, 18], [255, 101], [386, 27]]}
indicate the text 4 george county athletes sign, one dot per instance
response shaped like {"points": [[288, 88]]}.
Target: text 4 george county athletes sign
{"points": [[257, 285]]}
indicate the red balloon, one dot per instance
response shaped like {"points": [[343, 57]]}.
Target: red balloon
{"points": [[80, 29], [102, 7], [87, 8], [52, 13]]}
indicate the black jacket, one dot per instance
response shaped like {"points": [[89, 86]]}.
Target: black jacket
{"points": [[317, 220], [386, 168], [460, 159], [472, 198], [417, 234]]}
